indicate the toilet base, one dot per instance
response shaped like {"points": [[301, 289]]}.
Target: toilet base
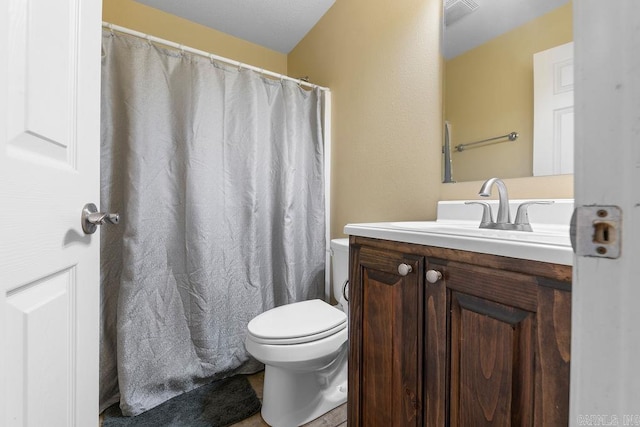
{"points": [[292, 398]]}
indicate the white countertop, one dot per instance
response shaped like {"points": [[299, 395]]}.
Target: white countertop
{"points": [[457, 228]]}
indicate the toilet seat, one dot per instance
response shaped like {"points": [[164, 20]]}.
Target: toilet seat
{"points": [[297, 323]]}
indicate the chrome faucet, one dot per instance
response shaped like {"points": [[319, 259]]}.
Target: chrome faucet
{"points": [[504, 215], [503, 221]]}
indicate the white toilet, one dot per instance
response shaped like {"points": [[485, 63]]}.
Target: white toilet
{"points": [[304, 348]]}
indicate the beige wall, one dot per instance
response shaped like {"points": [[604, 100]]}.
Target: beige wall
{"points": [[489, 92], [543, 187], [139, 17], [381, 60]]}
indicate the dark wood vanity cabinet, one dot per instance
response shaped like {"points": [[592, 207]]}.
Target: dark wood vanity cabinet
{"points": [[487, 344]]}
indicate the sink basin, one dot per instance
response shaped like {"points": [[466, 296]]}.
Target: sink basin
{"points": [[548, 242], [546, 235], [434, 226]]}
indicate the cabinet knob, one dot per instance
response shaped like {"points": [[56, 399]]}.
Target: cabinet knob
{"points": [[433, 276], [404, 269]]}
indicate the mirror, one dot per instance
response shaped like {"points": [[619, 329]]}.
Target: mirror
{"points": [[488, 49]]}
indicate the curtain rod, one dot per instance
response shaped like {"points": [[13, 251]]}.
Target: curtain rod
{"points": [[211, 56]]}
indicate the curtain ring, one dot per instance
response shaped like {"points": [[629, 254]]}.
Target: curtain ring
{"points": [[148, 39], [239, 66], [211, 59], [111, 28]]}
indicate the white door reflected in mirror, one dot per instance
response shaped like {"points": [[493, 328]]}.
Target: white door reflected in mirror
{"points": [[553, 111]]}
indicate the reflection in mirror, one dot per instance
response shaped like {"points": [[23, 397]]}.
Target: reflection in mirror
{"points": [[488, 49]]}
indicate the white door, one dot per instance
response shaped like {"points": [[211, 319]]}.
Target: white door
{"points": [[49, 168], [553, 111], [605, 364]]}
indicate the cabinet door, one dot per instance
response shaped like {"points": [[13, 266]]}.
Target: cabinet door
{"points": [[385, 361], [507, 351], [492, 321], [492, 363]]}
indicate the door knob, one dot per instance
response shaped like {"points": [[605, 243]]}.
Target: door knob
{"points": [[433, 276], [404, 269], [91, 218]]}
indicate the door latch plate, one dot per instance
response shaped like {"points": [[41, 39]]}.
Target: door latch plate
{"points": [[596, 231]]}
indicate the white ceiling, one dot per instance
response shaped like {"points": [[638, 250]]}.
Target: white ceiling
{"points": [[275, 24], [489, 20], [280, 24]]}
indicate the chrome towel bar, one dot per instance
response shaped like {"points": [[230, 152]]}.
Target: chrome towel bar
{"points": [[511, 137]]}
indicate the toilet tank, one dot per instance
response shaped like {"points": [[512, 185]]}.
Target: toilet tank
{"points": [[339, 267]]}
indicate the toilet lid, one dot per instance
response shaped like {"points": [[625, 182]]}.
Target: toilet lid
{"points": [[292, 323]]}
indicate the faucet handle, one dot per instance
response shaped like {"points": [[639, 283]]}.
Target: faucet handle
{"points": [[522, 215], [487, 215]]}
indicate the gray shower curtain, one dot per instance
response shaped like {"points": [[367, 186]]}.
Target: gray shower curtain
{"points": [[217, 173]]}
